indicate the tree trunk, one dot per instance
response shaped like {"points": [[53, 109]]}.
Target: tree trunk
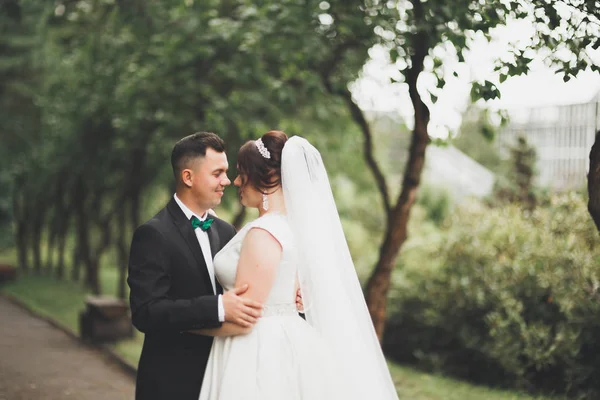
{"points": [[133, 196], [76, 264], [396, 233], [594, 182], [52, 236], [397, 218], [83, 237], [21, 227], [62, 232], [122, 253], [56, 241], [22, 246], [92, 276], [60, 263], [96, 249], [134, 210], [36, 240], [136, 182]]}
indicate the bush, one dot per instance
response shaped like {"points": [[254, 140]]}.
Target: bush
{"points": [[436, 201], [517, 301]]}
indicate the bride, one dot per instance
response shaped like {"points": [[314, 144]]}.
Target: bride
{"points": [[297, 241]]}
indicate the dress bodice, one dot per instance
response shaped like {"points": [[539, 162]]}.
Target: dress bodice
{"points": [[281, 299]]}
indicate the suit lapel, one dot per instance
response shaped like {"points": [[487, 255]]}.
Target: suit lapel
{"points": [[185, 229], [213, 238], [215, 243]]}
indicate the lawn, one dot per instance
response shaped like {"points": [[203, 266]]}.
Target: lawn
{"points": [[415, 385], [62, 301]]}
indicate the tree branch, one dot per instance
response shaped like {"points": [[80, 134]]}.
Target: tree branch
{"points": [[420, 139], [358, 117]]}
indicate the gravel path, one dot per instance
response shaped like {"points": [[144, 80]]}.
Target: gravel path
{"points": [[38, 361]]}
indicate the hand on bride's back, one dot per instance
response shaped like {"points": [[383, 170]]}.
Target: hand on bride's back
{"points": [[239, 310]]}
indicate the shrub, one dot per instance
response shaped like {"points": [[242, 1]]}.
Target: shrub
{"points": [[516, 301], [436, 201]]}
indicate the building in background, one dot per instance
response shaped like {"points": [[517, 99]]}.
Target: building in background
{"points": [[449, 168], [562, 136], [446, 167]]}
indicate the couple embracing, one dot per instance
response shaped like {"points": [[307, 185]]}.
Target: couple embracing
{"points": [[219, 309]]}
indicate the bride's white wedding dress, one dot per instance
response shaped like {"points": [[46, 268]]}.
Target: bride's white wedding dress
{"points": [[336, 354], [283, 358]]}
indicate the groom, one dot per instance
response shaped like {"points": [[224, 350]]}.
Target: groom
{"points": [[171, 275]]}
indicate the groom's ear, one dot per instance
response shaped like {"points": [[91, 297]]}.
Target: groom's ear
{"points": [[186, 177]]}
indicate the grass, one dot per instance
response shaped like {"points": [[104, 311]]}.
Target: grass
{"points": [[63, 300], [415, 385]]}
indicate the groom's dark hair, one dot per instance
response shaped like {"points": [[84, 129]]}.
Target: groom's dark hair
{"points": [[192, 147]]}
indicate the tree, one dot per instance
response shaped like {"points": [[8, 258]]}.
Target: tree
{"points": [[517, 184], [119, 82], [418, 34], [594, 182], [476, 139], [19, 115]]}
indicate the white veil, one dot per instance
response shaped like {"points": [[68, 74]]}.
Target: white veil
{"points": [[332, 295]]}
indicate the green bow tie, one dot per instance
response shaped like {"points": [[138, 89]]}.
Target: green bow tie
{"points": [[204, 225]]}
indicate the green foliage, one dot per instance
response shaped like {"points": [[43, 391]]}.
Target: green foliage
{"points": [[476, 139], [514, 302], [94, 94], [565, 32], [516, 185], [485, 90], [436, 201]]}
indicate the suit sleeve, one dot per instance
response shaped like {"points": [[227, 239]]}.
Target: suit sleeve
{"points": [[232, 232], [149, 281]]}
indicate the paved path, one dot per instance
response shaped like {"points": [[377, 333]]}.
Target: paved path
{"points": [[38, 361]]}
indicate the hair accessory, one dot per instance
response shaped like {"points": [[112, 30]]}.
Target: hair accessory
{"points": [[262, 149]]}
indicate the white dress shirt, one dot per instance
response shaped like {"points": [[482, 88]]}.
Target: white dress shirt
{"points": [[202, 237]]}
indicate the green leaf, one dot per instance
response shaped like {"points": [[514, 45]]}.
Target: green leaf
{"points": [[394, 54]]}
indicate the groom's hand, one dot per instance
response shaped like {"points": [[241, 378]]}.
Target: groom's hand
{"points": [[299, 302], [239, 310]]}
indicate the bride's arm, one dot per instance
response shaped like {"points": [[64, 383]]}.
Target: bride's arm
{"points": [[259, 257]]}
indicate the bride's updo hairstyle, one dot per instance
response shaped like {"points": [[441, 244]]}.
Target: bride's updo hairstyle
{"points": [[262, 173]]}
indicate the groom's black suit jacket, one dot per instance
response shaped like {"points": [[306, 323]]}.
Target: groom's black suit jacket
{"points": [[171, 292]]}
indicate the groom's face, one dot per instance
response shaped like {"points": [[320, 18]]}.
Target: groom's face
{"points": [[209, 178]]}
